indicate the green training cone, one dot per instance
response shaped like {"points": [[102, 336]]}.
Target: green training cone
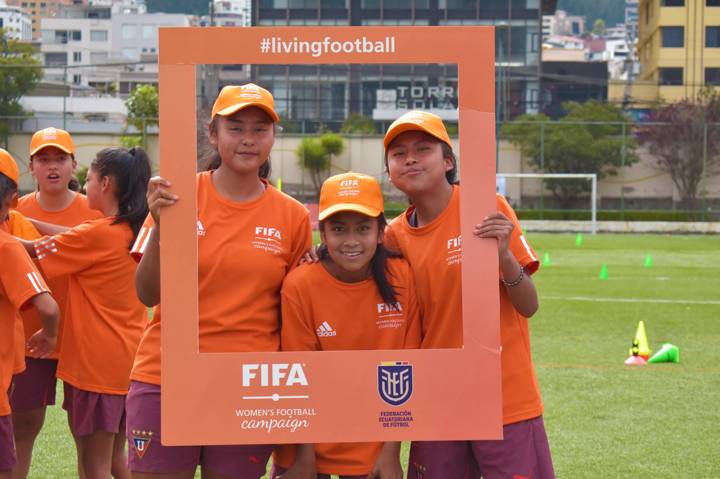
{"points": [[579, 239], [603, 272], [546, 259], [648, 261], [669, 353]]}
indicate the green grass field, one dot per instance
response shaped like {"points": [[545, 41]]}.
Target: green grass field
{"points": [[604, 419]]}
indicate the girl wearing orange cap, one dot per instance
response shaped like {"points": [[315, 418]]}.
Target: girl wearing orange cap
{"points": [[250, 235], [105, 319], [421, 163], [20, 285], [52, 163], [375, 291]]}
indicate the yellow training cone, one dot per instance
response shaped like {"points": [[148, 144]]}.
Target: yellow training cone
{"points": [[644, 350]]}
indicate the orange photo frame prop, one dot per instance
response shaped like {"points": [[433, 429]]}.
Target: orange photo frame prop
{"points": [[328, 396]]}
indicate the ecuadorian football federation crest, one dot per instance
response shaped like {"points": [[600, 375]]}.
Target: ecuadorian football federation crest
{"points": [[141, 441], [395, 382]]}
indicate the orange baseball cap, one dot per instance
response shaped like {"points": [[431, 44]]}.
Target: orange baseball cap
{"points": [[234, 98], [418, 121], [9, 168], [52, 137], [350, 192]]}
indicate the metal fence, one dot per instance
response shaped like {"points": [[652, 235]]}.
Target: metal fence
{"points": [[642, 189]]}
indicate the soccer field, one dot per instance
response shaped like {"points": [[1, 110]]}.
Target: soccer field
{"points": [[604, 419]]}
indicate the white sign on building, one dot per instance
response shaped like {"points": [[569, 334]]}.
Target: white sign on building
{"points": [[440, 100]]}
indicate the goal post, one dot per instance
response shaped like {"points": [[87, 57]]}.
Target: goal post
{"points": [[587, 176]]}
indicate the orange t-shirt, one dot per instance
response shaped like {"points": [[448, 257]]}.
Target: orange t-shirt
{"points": [[438, 280], [321, 313], [17, 225], [105, 318], [77, 212], [20, 281], [244, 252]]}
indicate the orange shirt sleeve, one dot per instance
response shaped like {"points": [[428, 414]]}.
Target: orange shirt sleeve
{"points": [[519, 246], [66, 253], [297, 332], [21, 226], [142, 239], [413, 335], [303, 242], [390, 240], [19, 276]]}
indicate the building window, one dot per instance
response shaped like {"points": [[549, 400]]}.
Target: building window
{"points": [[303, 3], [671, 76], [712, 76], [149, 32], [98, 35], [712, 3], [77, 57], [672, 37], [56, 59], [98, 57], [128, 31], [75, 35], [672, 3], [77, 79], [712, 37], [130, 53]]}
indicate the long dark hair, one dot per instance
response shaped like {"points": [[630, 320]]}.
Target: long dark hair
{"points": [[131, 171], [211, 159], [378, 264]]}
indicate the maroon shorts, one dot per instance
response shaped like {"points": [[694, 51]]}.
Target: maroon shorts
{"points": [[89, 412], [523, 453], [147, 454], [35, 387], [7, 444], [277, 471]]}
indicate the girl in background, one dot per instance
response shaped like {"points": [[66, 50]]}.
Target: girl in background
{"points": [[105, 318], [52, 163]]}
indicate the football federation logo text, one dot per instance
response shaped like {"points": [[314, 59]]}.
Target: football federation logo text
{"points": [[395, 382]]}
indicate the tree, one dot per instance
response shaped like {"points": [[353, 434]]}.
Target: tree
{"points": [[612, 11], [315, 155], [19, 73], [573, 145], [599, 27], [142, 107], [686, 146], [358, 124]]}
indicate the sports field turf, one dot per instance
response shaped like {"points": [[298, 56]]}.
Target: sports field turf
{"points": [[604, 419]]}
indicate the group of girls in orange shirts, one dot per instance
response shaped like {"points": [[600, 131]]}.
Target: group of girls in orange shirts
{"points": [[98, 255]]}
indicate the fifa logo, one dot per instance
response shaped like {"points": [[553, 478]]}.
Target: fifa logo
{"points": [[395, 382]]}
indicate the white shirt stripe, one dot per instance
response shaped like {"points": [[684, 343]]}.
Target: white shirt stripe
{"points": [[35, 283], [145, 240], [527, 247]]}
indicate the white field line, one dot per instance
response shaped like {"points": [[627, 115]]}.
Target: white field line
{"points": [[629, 300]]}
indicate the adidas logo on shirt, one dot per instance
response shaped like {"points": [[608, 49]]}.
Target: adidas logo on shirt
{"points": [[325, 330], [200, 229]]}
